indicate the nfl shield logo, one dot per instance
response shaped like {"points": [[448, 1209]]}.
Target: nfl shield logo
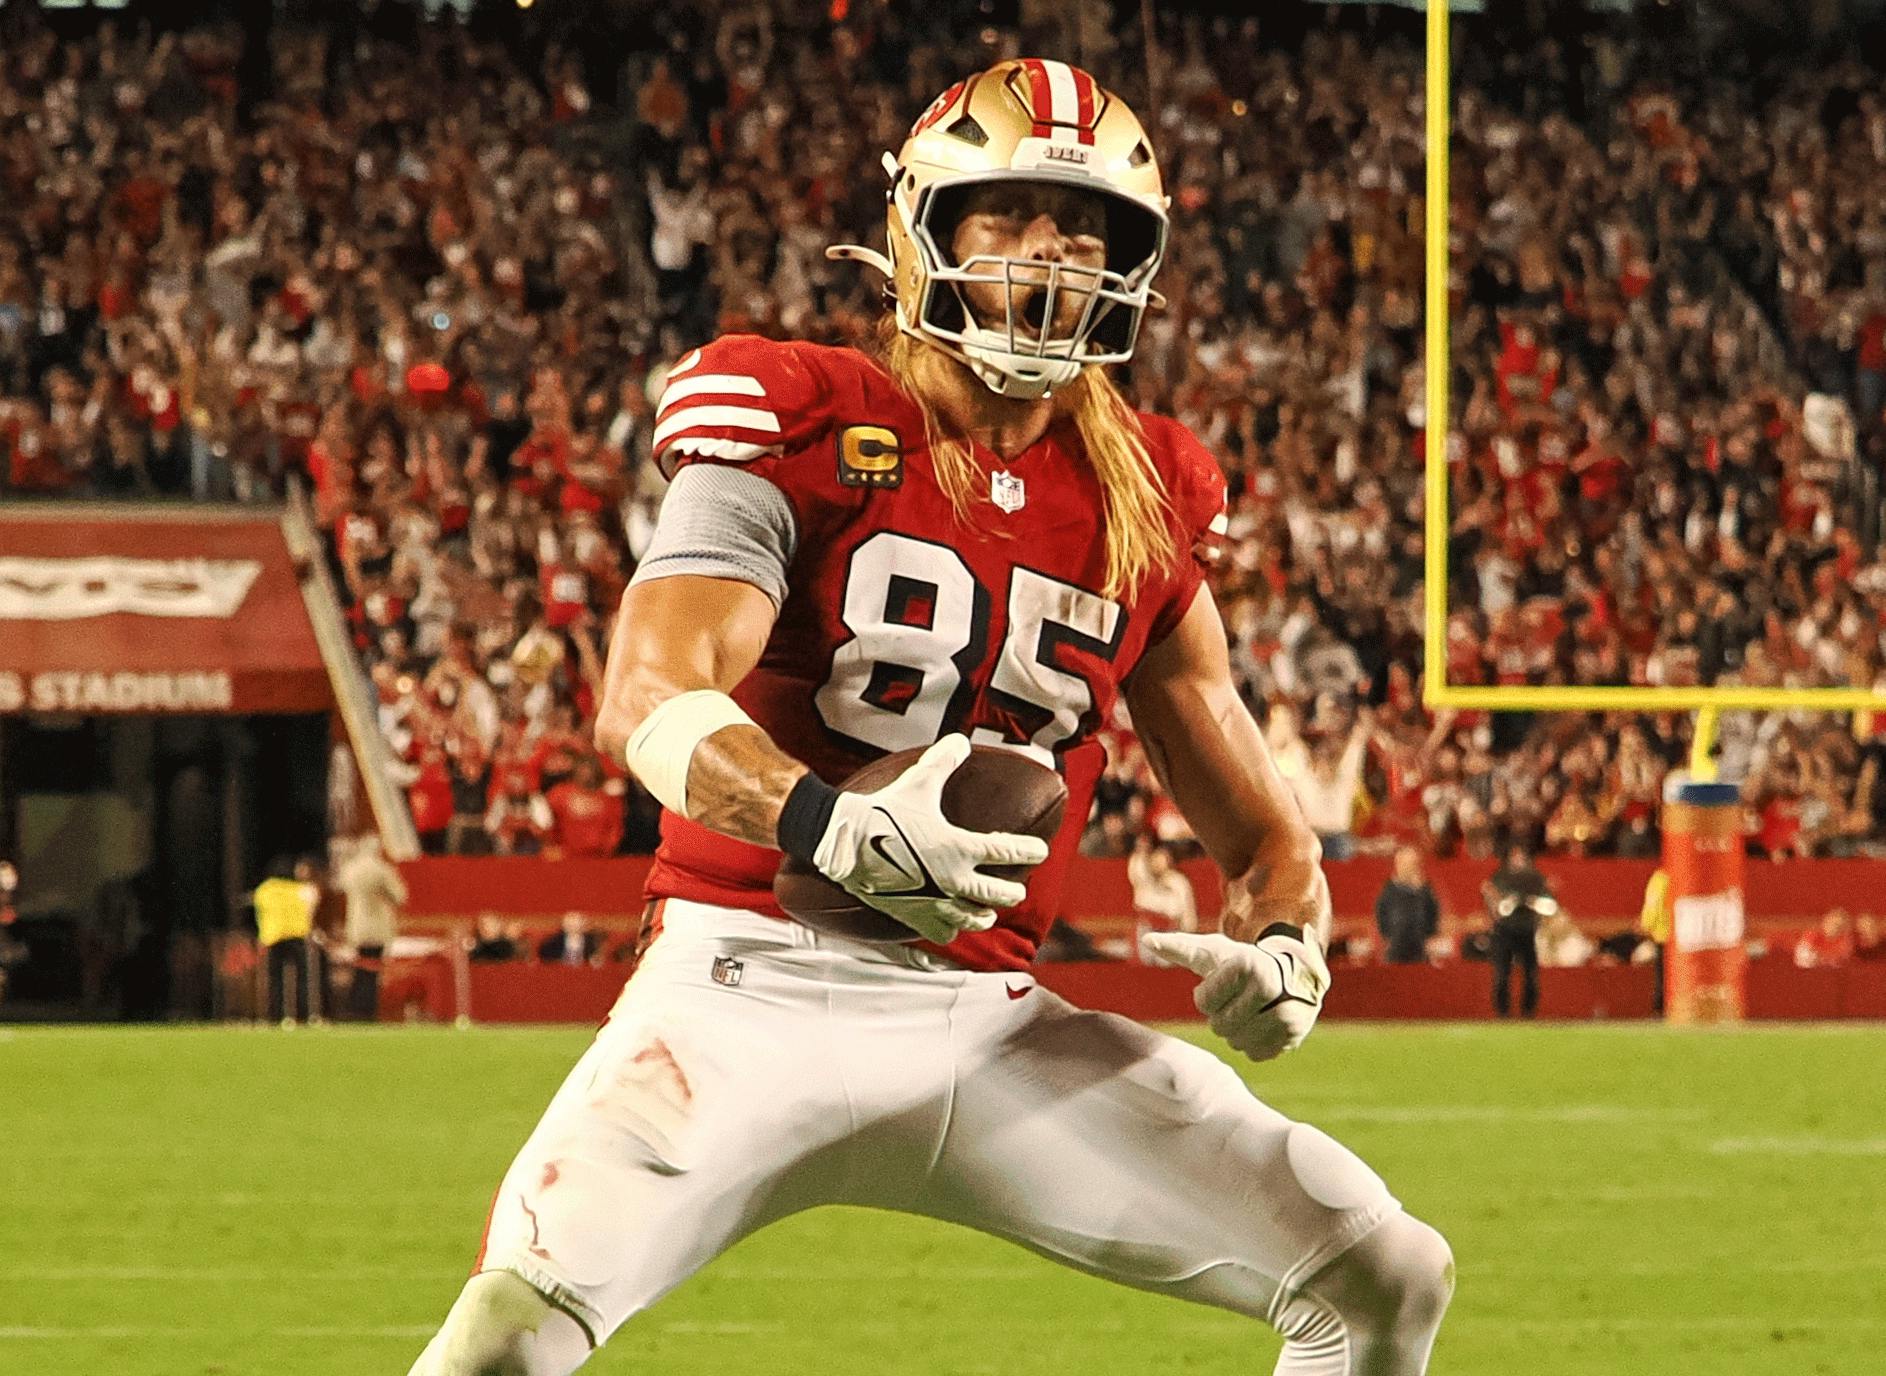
{"points": [[1007, 492], [728, 971]]}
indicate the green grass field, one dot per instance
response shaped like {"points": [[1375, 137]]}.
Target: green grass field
{"points": [[1621, 1199]]}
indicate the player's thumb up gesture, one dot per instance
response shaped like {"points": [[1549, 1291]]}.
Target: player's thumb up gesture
{"points": [[1263, 996]]}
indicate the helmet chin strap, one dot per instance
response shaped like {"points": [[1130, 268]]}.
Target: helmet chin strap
{"points": [[1026, 379]]}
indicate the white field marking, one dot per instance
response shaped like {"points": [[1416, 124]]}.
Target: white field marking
{"points": [[139, 1333], [1356, 1112], [1799, 1146], [1622, 1194], [1489, 1030], [1594, 1323], [1613, 1323], [733, 1272], [260, 1275], [401, 1332], [200, 1275], [1797, 1266]]}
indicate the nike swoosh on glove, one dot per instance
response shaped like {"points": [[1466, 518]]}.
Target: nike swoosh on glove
{"points": [[895, 850], [1261, 996]]}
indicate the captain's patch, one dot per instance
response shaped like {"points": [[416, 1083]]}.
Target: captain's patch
{"points": [[870, 456]]}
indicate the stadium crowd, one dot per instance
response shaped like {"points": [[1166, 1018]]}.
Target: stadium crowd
{"points": [[440, 288]]}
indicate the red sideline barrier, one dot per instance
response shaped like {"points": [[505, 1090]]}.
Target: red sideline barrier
{"points": [[522, 992], [1605, 892]]}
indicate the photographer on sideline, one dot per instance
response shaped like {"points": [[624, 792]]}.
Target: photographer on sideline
{"points": [[1517, 897]]}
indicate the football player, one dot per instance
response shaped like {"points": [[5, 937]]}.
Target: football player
{"points": [[967, 537]]}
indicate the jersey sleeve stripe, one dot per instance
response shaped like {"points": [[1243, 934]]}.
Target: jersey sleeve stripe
{"points": [[726, 384], [734, 451], [697, 417]]}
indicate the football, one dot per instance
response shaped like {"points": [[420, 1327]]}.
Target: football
{"points": [[993, 790]]}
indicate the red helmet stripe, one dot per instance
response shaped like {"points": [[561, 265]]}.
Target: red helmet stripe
{"points": [[1043, 96]]}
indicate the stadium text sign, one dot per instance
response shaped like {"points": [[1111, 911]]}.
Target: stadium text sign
{"points": [[49, 589], [69, 690]]}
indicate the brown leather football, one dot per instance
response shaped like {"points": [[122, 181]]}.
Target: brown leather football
{"points": [[993, 790]]}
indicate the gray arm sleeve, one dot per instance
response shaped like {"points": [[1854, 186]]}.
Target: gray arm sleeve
{"points": [[722, 522]]}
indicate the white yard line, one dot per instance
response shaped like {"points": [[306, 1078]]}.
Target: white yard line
{"points": [[1355, 1112], [1799, 1146], [1593, 1323]]}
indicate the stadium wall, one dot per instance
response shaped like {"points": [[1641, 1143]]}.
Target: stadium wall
{"points": [[520, 992], [1603, 893]]}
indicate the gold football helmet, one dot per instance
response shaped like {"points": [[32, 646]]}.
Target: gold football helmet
{"points": [[1039, 121]]}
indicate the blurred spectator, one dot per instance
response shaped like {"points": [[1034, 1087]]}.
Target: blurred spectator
{"points": [[327, 935], [1655, 921], [12, 950], [284, 918], [1560, 943], [1827, 946], [519, 820], [1407, 912], [1869, 938], [493, 941], [573, 943], [375, 893], [1327, 784], [1518, 897], [587, 815], [1160, 888], [418, 276]]}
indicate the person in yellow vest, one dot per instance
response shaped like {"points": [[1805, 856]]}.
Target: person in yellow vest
{"points": [[1655, 922], [284, 916]]}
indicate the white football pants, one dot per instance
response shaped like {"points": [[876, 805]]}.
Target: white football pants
{"points": [[753, 1068]]}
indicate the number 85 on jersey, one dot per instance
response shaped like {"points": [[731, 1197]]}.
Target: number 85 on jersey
{"points": [[918, 666]]}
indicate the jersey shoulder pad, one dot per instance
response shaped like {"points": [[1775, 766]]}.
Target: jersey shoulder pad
{"points": [[1194, 479], [739, 399]]}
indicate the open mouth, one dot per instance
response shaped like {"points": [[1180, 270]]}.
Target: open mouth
{"points": [[1034, 312]]}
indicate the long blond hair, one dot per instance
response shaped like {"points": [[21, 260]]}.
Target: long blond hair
{"points": [[1136, 505]]}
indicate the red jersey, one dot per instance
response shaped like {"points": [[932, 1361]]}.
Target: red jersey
{"points": [[899, 624]]}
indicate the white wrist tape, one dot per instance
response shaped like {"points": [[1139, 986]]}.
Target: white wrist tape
{"points": [[662, 747]]}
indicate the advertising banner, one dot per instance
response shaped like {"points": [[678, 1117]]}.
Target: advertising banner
{"points": [[131, 610]]}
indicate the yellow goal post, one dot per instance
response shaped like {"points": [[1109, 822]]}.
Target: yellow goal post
{"points": [[1437, 692]]}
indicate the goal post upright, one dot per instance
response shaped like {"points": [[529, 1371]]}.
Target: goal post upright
{"points": [[1708, 700], [1438, 121], [1706, 805]]}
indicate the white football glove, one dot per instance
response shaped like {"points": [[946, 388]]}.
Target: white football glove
{"points": [[896, 851], [1261, 996]]}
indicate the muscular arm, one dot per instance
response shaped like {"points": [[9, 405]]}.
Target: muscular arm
{"points": [[1212, 760], [677, 634]]}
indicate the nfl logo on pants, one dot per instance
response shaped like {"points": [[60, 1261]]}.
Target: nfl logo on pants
{"points": [[728, 971], [1007, 492]]}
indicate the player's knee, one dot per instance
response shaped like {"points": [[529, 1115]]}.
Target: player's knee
{"points": [[501, 1326], [1421, 1279], [1398, 1278]]}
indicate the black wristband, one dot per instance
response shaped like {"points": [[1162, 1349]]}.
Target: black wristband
{"points": [[1289, 929], [802, 821]]}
